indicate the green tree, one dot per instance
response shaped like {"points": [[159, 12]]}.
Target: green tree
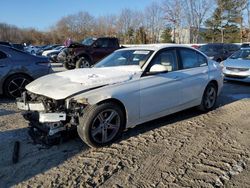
{"points": [[226, 23], [141, 36], [166, 36]]}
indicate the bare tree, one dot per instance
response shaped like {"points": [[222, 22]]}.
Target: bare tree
{"points": [[173, 10], [196, 11], [154, 22], [105, 25]]}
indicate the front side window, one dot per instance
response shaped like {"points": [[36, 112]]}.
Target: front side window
{"points": [[166, 58], [125, 57], [192, 59]]}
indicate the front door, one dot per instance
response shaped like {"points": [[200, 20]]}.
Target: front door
{"points": [[159, 93]]}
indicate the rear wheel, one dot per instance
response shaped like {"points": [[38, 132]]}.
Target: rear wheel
{"points": [[101, 124], [83, 63], [209, 98], [15, 85]]}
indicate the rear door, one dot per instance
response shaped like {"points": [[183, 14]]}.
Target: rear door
{"points": [[194, 69]]}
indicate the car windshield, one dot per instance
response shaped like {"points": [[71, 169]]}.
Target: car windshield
{"points": [[125, 57], [241, 54], [88, 41], [58, 48]]}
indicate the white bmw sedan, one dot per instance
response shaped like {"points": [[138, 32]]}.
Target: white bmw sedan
{"points": [[127, 88]]}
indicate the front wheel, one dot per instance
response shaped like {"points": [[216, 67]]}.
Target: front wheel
{"points": [[209, 98], [101, 124]]}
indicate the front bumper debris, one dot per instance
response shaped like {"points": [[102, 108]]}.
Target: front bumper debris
{"points": [[30, 106], [49, 121], [51, 117]]}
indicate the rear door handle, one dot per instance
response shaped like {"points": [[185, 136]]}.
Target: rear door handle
{"points": [[1, 66]]}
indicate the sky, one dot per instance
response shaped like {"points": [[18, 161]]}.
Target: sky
{"points": [[42, 14]]}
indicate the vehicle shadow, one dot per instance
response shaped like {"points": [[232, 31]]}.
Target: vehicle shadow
{"points": [[33, 159], [233, 91]]}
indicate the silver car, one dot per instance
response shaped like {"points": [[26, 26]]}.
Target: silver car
{"points": [[18, 68], [237, 66]]}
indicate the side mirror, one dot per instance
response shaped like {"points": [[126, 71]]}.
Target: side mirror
{"points": [[158, 69]]}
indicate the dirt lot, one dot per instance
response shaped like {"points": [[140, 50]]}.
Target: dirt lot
{"points": [[187, 149]]}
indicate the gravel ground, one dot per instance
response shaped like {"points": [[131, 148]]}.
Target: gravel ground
{"points": [[187, 149]]}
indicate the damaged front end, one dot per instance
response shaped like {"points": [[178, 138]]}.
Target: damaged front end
{"points": [[51, 121]]}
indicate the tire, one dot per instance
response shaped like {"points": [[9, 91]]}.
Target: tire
{"points": [[67, 66], [15, 85], [33, 52], [96, 128], [219, 60], [83, 63], [209, 98]]}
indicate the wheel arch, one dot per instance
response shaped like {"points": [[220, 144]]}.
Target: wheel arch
{"points": [[85, 55], [3, 91], [15, 74], [215, 83], [119, 103]]}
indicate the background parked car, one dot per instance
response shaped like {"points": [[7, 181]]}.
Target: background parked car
{"points": [[245, 45], [5, 43], [219, 51], [18, 68], [52, 54], [57, 49], [18, 46], [237, 66], [88, 52], [31, 49], [48, 47]]}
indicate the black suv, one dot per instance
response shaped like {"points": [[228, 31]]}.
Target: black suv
{"points": [[219, 51]]}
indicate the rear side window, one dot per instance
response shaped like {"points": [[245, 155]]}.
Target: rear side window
{"points": [[2, 55], [192, 59]]}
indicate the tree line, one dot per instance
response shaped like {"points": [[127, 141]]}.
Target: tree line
{"points": [[162, 21]]}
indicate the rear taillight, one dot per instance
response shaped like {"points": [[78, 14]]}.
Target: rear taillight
{"points": [[47, 64]]}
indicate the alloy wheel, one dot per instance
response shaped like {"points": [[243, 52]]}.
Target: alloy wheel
{"points": [[210, 97], [16, 86], [105, 126], [84, 64]]}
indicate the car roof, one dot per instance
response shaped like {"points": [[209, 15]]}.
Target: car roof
{"points": [[153, 47]]}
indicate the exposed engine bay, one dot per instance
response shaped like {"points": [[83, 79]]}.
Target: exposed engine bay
{"points": [[50, 121]]}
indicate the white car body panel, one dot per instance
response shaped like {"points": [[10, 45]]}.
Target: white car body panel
{"points": [[57, 85], [143, 97]]}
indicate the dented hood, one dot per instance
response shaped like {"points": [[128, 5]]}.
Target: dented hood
{"points": [[64, 84]]}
